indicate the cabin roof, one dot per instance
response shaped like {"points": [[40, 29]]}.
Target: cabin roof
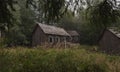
{"points": [[48, 29], [115, 31], [73, 33]]}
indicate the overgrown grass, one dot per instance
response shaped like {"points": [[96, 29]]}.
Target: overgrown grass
{"points": [[56, 60]]}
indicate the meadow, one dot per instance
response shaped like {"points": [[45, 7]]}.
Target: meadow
{"points": [[77, 59]]}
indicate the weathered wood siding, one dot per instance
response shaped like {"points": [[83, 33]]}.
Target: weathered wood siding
{"points": [[38, 37], [110, 43], [60, 38], [75, 39]]}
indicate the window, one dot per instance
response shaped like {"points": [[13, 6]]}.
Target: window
{"points": [[75, 38], [56, 39], [50, 39]]}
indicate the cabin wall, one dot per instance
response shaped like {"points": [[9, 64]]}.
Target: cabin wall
{"points": [[56, 39], [110, 43], [39, 37], [75, 39]]}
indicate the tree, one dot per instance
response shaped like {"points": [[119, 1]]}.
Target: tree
{"points": [[21, 31], [105, 13], [28, 18], [5, 13], [55, 9]]}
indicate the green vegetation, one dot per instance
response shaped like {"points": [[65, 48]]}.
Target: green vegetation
{"points": [[56, 60]]}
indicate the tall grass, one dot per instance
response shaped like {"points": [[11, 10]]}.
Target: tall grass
{"points": [[56, 60]]}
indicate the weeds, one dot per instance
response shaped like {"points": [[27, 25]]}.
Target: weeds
{"points": [[56, 60]]}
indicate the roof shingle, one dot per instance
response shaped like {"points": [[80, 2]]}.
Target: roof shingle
{"points": [[115, 31], [73, 33], [47, 29]]}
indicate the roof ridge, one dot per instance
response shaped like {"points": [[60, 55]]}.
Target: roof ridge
{"points": [[115, 30], [49, 29], [51, 25]]}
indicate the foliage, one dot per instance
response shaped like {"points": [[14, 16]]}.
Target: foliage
{"points": [[104, 13], [21, 31], [56, 60], [69, 22], [55, 9], [89, 34], [50, 10], [27, 19], [105, 8], [6, 6]]}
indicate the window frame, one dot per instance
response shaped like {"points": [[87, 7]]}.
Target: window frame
{"points": [[57, 39], [50, 39]]}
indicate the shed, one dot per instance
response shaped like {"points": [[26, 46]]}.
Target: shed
{"points": [[110, 41], [74, 35]]}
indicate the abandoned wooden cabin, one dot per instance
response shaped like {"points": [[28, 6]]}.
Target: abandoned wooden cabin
{"points": [[47, 34], [110, 41]]}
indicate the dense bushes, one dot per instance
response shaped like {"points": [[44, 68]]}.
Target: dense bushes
{"points": [[56, 60]]}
